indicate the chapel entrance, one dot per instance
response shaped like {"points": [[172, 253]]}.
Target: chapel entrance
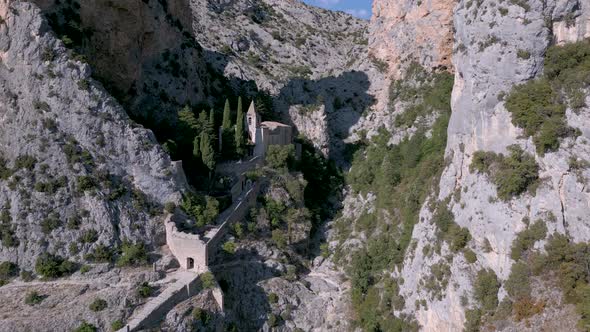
{"points": [[190, 263]]}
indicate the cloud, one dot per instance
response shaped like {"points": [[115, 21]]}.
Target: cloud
{"points": [[328, 3], [362, 13]]}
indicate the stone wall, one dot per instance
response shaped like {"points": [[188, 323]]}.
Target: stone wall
{"points": [[184, 245], [238, 212]]}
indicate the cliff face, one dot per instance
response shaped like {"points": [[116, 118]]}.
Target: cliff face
{"points": [[408, 31], [72, 162], [497, 46]]}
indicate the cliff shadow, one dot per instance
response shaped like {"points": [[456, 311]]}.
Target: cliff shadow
{"points": [[246, 304]]}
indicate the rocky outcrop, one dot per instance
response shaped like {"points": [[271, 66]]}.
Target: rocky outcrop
{"points": [[73, 162], [408, 31]]}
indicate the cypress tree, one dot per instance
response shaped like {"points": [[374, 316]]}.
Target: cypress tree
{"points": [[196, 148], [240, 129], [212, 118], [226, 124], [207, 154]]}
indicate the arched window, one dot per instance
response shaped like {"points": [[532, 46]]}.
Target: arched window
{"points": [[249, 121]]}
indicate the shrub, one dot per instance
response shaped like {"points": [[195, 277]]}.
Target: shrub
{"points": [[25, 162], [169, 207], [470, 256], [229, 247], [486, 289], [527, 238], [8, 270], [280, 156], [472, 320], [26, 276], [33, 298], [53, 266], [278, 237], [89, 236], [101, 253], [523, 54], [50, 223], [144, 290], [272, 320], [86, 327], [526, 307], [132, 254], [208, 280], [98, 305], [85, 183], [518, 283], [512, 175], [273, 298], [117, 325]]}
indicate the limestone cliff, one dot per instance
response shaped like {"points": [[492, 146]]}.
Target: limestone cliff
{"points": [[72, 161], [408, 31]]}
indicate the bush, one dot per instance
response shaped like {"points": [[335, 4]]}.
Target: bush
{"points": [[208, 280], [526, 307], [98, 305], [144, 290], [53, 266], [518, 283], [85, 183], [8, 270], [89, 236], [278, 237], [470, 256], [280, 156], [538, 107], [117, 325], [26, 276], [229, 247], [50, 223], [273, 298], [33, 298], [512, 175], [486, 289], [86, 327], [132, 254], [472, 320], [526, 239], [272, 320]]}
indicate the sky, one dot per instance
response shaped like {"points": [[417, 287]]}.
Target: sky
{"points": [[358, 8]]}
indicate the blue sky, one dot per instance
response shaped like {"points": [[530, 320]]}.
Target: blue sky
{"points": [[358, 8]]}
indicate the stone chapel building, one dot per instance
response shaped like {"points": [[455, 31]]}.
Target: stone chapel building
{"points": [[264, 134]]}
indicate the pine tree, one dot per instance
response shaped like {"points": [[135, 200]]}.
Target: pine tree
{"points": [[226, 124], [240, 129], [207, 154], [187, 117]]}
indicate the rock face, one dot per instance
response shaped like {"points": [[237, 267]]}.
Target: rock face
{"points": [[408, 31], [483, 70], [73, 163]]}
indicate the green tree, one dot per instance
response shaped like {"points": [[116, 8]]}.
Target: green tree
{"points": [[207, 154], [240, 129], [226, 124], [197, 148], [187, 117], [212, 118]]}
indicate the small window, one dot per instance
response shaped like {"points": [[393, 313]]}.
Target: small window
{"points": [[249, 121]]}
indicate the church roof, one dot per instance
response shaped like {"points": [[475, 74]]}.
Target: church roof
{"points": [[273, 124]]}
